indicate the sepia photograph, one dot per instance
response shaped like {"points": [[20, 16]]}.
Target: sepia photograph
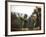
{"points": [[25, 18]]}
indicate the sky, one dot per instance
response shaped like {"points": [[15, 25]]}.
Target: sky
{"points": [[24, 9]]}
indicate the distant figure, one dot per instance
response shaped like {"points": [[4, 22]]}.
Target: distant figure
{"points": [[32, 21], [25, 21]]}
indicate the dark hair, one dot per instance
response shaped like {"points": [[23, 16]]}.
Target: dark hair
{"points": [[39, 9], [25, 16]]}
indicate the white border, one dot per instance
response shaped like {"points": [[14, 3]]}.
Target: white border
{"points": [[24, 32]]}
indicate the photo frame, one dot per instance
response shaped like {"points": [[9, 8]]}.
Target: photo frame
{"points": [[24, 18]]}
